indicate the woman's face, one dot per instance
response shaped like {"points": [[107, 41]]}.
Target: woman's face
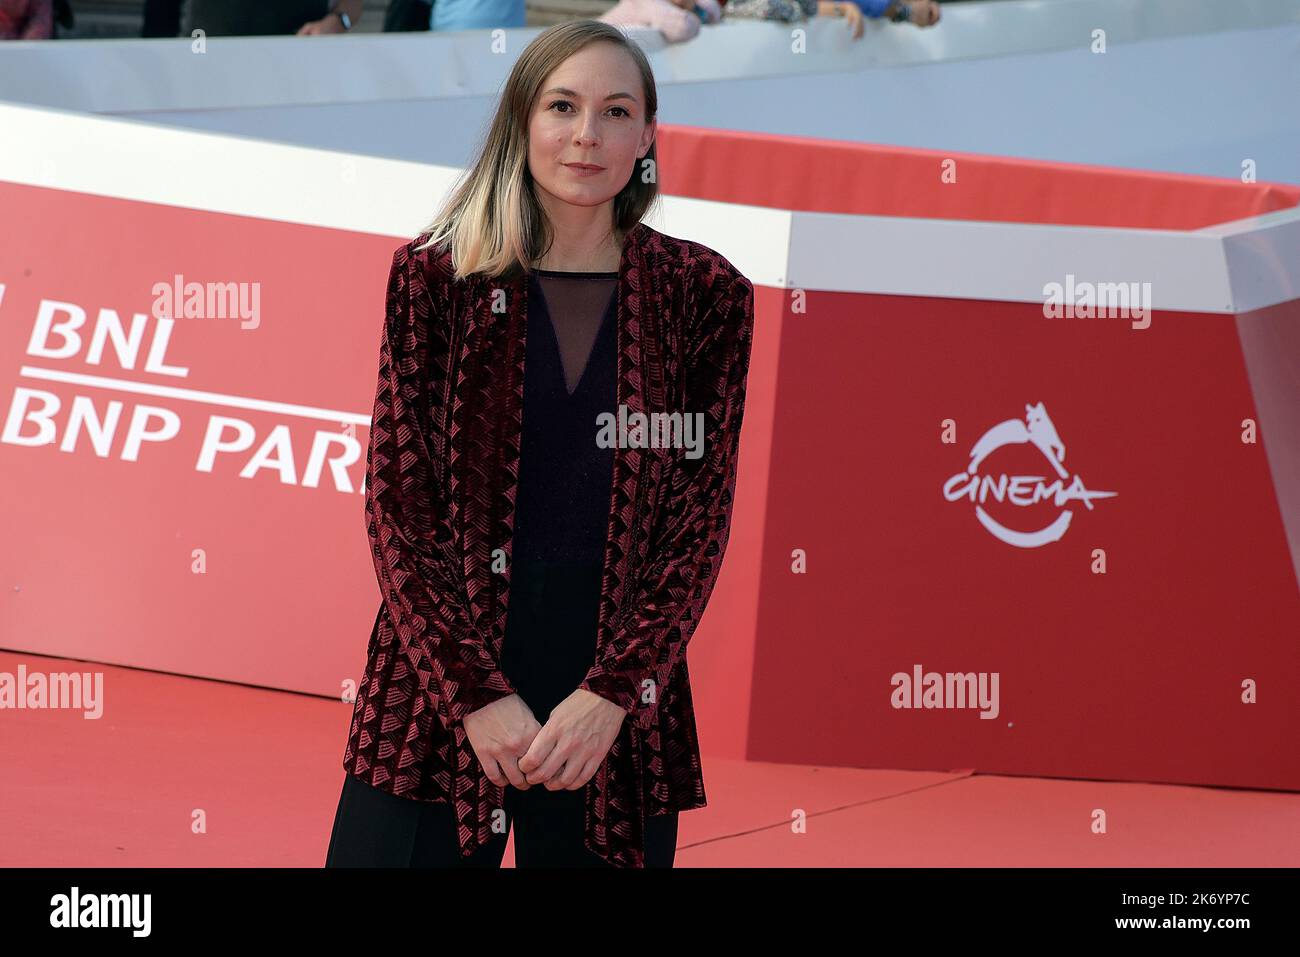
{"points": [[588, 127]]}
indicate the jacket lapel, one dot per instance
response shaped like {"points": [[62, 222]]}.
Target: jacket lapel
{"points": [[484, 447]]}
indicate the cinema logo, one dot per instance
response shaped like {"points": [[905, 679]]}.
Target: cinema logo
{"points": [[1023, 491], [208, 300], [1098, 300]]}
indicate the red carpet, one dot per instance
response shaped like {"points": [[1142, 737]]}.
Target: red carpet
{"points": [[123, 791]]}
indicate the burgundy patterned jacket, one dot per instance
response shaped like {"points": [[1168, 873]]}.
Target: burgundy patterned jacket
{"points": [[442, 469]]}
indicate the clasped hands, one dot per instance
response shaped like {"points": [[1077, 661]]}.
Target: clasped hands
{"points": [[563, 754]]}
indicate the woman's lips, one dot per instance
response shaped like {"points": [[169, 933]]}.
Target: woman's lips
{"points": [[585, 169]]}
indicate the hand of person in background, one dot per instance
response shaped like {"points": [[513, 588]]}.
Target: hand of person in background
{"points": [[922, 13], [500, 734], [852, 13], [925, 13], [709, 11], [666, 16], [326, 24], [332, 22], [574, 741]]}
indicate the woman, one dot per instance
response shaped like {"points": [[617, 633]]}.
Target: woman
{"points": [[540, 586]]}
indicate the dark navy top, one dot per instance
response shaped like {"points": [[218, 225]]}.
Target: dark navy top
{"points": [[570, 377]]}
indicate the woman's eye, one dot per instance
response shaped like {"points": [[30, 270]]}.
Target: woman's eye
{"points": [[622, 111]]}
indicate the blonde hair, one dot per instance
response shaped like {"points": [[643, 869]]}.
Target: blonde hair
{"points": [[493, 220]]}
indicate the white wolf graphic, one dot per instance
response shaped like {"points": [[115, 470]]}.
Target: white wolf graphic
{"points": [[1036, 429]]}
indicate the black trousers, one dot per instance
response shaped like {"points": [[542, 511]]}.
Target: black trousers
{"points": [[550, 644]]}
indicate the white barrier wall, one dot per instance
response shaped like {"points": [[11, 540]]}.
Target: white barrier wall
{"points": [[1190, 86]]}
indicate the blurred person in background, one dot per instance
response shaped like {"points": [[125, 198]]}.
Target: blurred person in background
{"points": [[477, 14], [922, 13], [246, 18], [26, 19], [677, 20], [340, 18], [407, 16], [162, 18], [404, 16]]}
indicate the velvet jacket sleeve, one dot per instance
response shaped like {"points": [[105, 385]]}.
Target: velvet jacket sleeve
{"points": [[685, 556], [406, 511]]}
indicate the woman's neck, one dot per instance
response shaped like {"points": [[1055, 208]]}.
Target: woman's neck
{"points": [[562, 257]]}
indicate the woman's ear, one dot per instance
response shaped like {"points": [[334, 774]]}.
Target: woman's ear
{"points": [[648, 138]]}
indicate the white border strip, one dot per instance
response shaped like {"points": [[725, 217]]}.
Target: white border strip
{"points": [[218, 173], [1009, 262], [1230, 268]]}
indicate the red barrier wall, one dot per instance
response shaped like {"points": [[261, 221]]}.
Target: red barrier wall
{"points": [[1135, 674]]}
